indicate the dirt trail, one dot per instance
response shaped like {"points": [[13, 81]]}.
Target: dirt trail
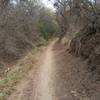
{"points": [[38, 84], [45, 80], [54, 78]]}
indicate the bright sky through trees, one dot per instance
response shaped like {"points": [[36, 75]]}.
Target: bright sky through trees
{"points": [[49, 4]]}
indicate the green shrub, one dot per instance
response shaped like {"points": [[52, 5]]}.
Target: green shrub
{"points": [[47, 28], [77, 34]]}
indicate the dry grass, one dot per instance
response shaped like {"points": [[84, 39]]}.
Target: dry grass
{"points": [[20, 70]]}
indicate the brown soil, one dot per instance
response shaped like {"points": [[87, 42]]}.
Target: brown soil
{"points": [[58, 76]]}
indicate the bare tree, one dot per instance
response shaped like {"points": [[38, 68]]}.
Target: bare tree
{"points": [[76, 13], [17, 28]]}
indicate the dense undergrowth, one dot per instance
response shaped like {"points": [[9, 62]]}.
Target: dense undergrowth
{"points": [[82, 19], [87, 46]]}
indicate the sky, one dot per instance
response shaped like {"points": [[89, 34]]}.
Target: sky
{"points": [[48, 4]]}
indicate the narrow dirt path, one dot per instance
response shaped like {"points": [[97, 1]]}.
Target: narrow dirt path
{"points": [[38, 85], [44, 86], [58, 76]]}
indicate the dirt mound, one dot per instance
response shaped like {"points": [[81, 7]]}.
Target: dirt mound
{"points": [[87, 46]]}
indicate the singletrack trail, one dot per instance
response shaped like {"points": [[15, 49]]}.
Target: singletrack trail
{"points": [[53, 78]]}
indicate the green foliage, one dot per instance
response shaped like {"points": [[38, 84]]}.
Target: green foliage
{"points": [[46, 28], [77, 34], [47, 25]]}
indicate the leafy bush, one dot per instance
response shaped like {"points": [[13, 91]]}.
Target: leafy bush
{"points": [[47, 25], [47, 29], [77, 34]]}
